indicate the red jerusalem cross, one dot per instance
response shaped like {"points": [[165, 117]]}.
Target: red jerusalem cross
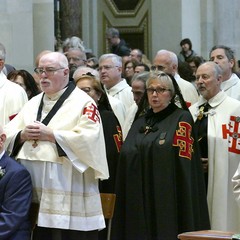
{"points": [[183, 140], [92, 113], [234, 135]]}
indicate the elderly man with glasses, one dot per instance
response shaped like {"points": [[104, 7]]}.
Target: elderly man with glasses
{"points": [[110, 71], [58, 137]]}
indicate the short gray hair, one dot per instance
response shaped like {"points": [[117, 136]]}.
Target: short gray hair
{"points": [[113, 32], [141, 77], [172, 57], [117, 60], [57, 57]]}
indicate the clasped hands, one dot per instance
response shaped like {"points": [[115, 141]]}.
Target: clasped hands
{"points": [[37, 131]]}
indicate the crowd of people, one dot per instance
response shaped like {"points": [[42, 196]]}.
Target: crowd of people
{"points": [[163, 135]]}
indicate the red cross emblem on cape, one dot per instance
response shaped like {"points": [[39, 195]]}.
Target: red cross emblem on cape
{"points": [[184, 140], [92, 113], [232, 133], [118, 138]]}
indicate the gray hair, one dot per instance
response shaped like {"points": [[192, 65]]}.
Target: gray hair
{"points": [[170, 55], [113, 32], [141, 77], [82, 70], [117, 60], [216, 68], [74, 42], [228, 51], [139, 52], [57, 57]]}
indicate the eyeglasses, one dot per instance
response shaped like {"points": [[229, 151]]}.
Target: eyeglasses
{"points": [[49, 71], [157, 68], [129, 67], [86, 89], [158, 90], [106, 67]]}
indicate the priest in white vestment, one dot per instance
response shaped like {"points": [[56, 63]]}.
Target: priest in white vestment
{"points": [[110, 71], [58, 137]]}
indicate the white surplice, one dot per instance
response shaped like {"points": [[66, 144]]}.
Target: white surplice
{"points": [[232, 86], [123, 92], [188, 91], [12, 99], [66, 187]]}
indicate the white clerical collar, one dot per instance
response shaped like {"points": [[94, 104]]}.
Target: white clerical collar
{"points": [[55, 96]]}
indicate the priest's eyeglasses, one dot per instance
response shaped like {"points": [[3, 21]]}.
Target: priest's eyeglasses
{"points": [[158, 90], [106, 67], [49, 71]]}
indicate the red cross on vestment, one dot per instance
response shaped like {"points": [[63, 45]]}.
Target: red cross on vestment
{"points": [[92, 113], [183, 140], [233, 130]]}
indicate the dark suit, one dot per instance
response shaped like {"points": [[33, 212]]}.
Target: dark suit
{"points": [[15, 200]]}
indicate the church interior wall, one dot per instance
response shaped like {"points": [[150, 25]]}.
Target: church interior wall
{"points": [[27, 26]]}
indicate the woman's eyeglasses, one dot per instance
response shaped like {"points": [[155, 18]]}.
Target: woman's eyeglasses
{"points": [[158, 90]]}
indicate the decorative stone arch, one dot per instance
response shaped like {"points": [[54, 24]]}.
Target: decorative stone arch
{"points": [[131, 21]]}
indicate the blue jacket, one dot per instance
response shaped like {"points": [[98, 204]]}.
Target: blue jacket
{"points": [[15, 200]]}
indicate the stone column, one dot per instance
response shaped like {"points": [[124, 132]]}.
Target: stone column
{"points": [[227, 21], [90, 31]]}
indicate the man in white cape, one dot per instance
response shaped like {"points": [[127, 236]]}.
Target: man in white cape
{"points": [[58, 137], [223, 151]]}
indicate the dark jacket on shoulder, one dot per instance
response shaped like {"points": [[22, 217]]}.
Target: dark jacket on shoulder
{"points": [[15, 200], [121, 49]]}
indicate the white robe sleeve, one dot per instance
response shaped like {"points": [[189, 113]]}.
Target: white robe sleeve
{"points": [[236, 185], [71, 155]]}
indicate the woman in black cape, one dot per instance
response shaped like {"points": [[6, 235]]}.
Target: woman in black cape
{"points": [[159, 185]]}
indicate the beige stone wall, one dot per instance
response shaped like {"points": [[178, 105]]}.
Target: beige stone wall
{"points": [[26, 28], [205, 22]]}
